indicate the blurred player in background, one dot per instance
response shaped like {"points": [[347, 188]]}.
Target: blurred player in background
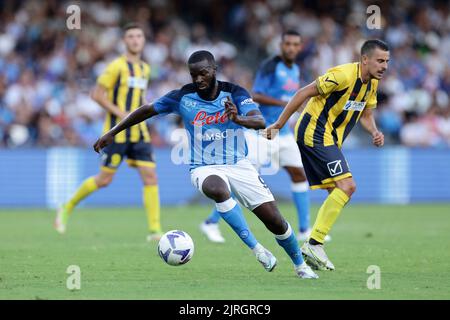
{"points": [[277, 80], [339, 98], [120, 90], [214, 114]]}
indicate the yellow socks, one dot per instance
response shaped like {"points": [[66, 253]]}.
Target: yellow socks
{"points": [[150, 199], [151, 205], [328, 213], [87, 187]]}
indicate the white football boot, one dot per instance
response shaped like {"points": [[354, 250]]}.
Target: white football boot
{"points": [[212, 232], [316, 257], [265, 257], [305, 272], [154, 236], [60, 224]]}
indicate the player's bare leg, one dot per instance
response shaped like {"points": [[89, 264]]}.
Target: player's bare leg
{"points": [[150, 197], [269, 215], [91, 184], [104, 178], [215, 188], [338, 197]]}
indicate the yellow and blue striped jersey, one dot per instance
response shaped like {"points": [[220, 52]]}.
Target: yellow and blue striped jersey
{"points": [[329, 117], [126, 84]]}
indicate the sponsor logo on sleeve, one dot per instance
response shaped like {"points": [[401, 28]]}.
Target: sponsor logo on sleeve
{"points": [[247, 101], [330, 80]]}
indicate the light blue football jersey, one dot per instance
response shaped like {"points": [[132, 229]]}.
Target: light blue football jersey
{"points": [[275, 79], [213, 138]]}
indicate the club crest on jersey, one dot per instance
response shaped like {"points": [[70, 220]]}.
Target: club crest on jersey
{"points": [[222, 101], [202, 118]]}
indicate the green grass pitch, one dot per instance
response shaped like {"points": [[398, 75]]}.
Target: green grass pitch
{"points": [[409, 243]]}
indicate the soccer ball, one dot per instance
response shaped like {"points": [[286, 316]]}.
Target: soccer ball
{"points": [[176, 247]]}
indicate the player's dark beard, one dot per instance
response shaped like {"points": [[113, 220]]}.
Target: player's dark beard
{"points": [[207, 93]]}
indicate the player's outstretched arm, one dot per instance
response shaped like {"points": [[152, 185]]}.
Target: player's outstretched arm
{"points": [[293, 105], [367, 120], [140, 114], [252, 120]]}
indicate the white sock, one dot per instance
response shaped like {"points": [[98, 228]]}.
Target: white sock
{"points": [[285, 235], [299, 186], [258, 248], [226, 206]]}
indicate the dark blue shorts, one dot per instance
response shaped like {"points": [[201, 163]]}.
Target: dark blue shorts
{"points": [[138, 154], [323, 165]]}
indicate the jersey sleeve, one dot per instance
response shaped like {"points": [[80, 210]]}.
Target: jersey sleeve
{"points": [[168, 103], [332, 80], [109, 77], [372, 101], [243, 100]]}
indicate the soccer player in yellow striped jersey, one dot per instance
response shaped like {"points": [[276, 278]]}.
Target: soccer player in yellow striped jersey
{"points": [[120, 89], [337, 100]]}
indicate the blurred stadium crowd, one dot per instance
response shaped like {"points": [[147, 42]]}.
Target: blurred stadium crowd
{"points": [[47, 70]]}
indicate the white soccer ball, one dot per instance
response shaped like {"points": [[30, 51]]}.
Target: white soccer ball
{"points": [[176, 247]]}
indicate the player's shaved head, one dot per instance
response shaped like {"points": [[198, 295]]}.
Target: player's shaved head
{"points": [[202, 55], [370, 45]]}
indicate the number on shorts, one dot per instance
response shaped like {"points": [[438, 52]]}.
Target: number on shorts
{"points": [[263, 183], [115, 159]]}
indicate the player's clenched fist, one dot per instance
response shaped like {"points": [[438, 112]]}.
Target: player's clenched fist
{"points": [[271, 131], [378, 138], [104, 140]]}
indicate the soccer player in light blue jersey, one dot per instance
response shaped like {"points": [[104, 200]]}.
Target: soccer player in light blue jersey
{"points": [[214, 114], [277, 80]]}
